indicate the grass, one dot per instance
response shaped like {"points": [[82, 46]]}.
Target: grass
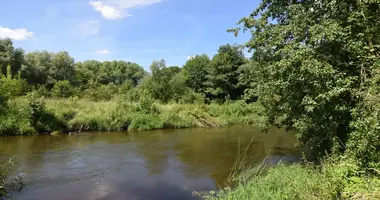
{"points": [[30, 115], [114, 115], [334, 179], [279, 182], [7, 186]]}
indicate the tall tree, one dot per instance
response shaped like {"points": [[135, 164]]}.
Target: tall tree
{"points": [[196, 71], [38, 67], [63, 66], [316, 57], [163, 81], [11, 56], [248, 81], [223, 74]]}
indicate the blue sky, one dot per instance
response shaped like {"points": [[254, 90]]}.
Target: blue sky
{"points": [[133, 30]]}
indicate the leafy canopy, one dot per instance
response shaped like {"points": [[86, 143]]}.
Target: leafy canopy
{"points": [[315, 59]]}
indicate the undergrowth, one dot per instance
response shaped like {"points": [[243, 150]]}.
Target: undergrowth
{"points": [[336, 178], [116, 115]]}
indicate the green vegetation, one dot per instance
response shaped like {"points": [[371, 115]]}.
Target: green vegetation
{"points": [[79, 114], [6, 186], [314, 69], [297, 181], [44, 92]]}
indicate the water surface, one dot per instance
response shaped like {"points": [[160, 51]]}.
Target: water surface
{"points": [[162, 164]]}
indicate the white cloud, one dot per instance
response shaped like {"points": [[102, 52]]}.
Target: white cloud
{"points": [[190, 57], [15, 34], [116, 9], [105, 51], [89, 27]]}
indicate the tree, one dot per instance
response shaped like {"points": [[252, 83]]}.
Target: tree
{"points": [[87, 72], [63, 67], [47, 68], [38, 66], [315, 58], [163, 82], [11, 56], [248, 81], [223, 74], [196, 71]]}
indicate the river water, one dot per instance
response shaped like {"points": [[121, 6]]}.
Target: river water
{"points": [[162, 164]]}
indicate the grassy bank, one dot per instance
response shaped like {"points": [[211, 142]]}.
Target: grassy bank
{"points": [[120, 115], [31, 115], [336, 179]]}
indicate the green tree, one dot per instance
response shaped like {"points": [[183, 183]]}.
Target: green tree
{"points": [[315, 57], [88, 71], [38, 69], [63, 67], [223, 74], [196, 71], [11, 56], [47, 68], [248, 81], [159, 83]]}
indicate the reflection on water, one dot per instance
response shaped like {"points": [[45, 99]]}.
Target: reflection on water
{"points": [[162, 164]]}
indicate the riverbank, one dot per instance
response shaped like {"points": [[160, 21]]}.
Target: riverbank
{"points": [[336, 178], [30, 115]]}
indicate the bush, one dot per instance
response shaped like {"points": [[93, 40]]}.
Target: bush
{"points": [[41, 91], [11, 87], [63, 89], [27, 115], [100, 92]]}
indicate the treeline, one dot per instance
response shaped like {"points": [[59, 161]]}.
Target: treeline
{"points": [[224, 77]]}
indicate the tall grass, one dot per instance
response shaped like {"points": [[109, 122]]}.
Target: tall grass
{"points": [[336, 178], [9, 185], [30, 115], [114, 115]]}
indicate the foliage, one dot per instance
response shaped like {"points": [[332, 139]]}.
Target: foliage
{"points": [[27, 115], [48, 68], [87, 115], [115, 72], [63, 89], [10, 56], [100, 92], [365, 139], [279, 182], [248, 81], [200, 79], [9, 185], [338, 177], [159, 85], [314, 58], [196, 71], [10, 86], [223, 74]]}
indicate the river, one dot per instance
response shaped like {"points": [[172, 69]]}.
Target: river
{"points": [[161, 164]]}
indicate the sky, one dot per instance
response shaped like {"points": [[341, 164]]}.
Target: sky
{"points": [[132, 30]]}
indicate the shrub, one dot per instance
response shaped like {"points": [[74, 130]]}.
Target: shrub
{"points": [[11, 87], [27, 115], [101, 92], [63, 89]]}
